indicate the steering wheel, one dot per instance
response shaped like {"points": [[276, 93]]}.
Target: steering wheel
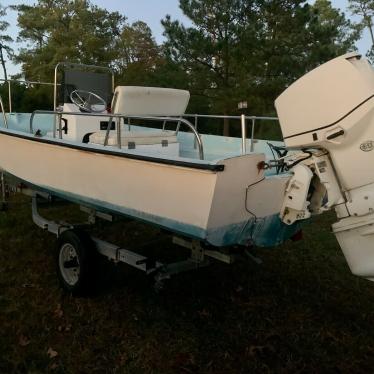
{"points": [[88, 101]]}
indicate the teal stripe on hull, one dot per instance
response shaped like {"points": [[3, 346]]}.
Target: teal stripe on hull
{"points": [[262, 232]]}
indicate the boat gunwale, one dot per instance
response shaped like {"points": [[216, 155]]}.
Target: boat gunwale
{"points": [[145, 158]]}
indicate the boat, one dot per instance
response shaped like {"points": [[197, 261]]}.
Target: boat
{"points": [[133, 151], [200, 186]]}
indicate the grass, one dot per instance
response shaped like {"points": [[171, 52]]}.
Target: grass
{"points": [[300, 311]]}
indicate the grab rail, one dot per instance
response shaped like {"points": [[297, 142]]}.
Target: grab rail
{"points": [[243, 121], [22, 81], [9, 97], [3, 111], [118, 117]]}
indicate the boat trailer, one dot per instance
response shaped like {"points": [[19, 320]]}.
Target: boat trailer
{"points": [[76, 250]]}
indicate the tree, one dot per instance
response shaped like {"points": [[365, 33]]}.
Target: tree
{"points": [[4, 41], [295, 37], [252, 50], [209, 50], [77, 31], [138, 54], [365, 10], [60, 30], [331, 29]]}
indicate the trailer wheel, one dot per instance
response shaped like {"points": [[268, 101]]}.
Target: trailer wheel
{"points": [[75, 260]]}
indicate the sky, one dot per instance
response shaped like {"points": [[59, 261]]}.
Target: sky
{"points": [[151, 12]]}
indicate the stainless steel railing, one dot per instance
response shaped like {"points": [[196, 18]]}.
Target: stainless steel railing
{"points": [[178, 120], [9, 97], [8, 81], [27, 82], [3, 112], [243, 122], [118, 117], [242, 118]]}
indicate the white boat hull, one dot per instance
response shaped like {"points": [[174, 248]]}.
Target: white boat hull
{"points": [[207, 204]]}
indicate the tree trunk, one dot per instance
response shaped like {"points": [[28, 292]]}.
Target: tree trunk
{"points": [[370, 27], [2, 61]]}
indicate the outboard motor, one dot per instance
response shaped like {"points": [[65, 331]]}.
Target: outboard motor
{"points": [[328, 115]]}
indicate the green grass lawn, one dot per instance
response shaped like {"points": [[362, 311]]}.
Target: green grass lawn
{"points": [[300, 311]]}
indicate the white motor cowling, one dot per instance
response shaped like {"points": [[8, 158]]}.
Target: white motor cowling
{"points": [[332, 109]]}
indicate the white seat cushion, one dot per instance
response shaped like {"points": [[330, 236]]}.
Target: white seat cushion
{"points": [[149, 101]]}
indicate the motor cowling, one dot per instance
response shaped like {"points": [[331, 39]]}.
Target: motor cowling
{"points": [[332, 107]]}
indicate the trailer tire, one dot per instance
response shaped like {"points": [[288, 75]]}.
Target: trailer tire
{"points": [[76, 262]]}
